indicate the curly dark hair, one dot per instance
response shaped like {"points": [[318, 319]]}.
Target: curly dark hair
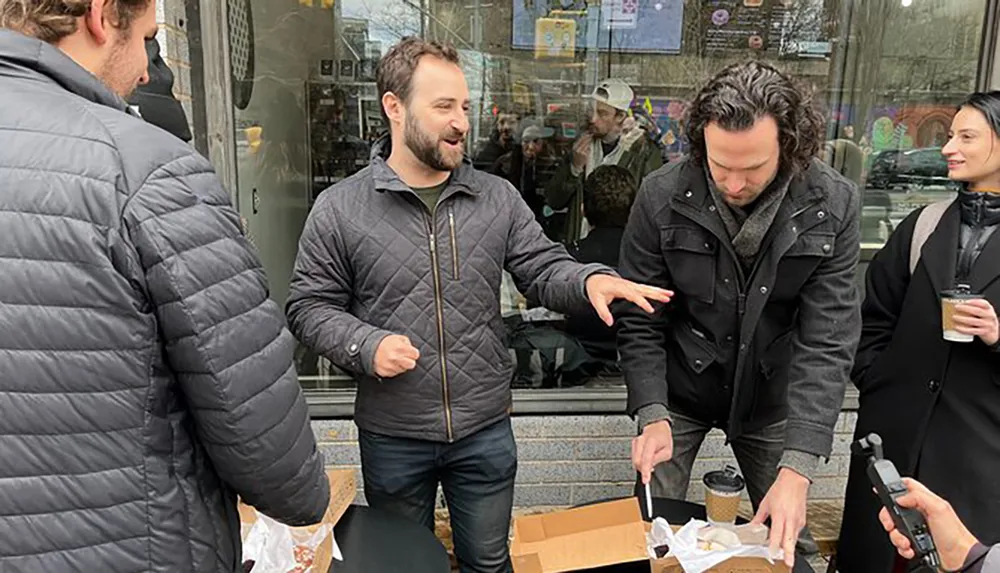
{"points": [[608, 194], [741, 94]]}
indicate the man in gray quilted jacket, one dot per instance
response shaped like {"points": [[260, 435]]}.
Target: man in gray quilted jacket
{"points": [[397, 281], [146, 380]]}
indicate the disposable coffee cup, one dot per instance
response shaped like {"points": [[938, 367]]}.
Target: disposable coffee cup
{"points": [[950, 299], [723, 489]]}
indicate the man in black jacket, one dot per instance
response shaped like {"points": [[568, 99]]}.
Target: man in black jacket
{"points": [[397, 280], [760, 241], [146, 380]]}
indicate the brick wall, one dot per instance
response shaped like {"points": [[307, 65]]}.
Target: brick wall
{"points": [[173, 40], [568, 460]]}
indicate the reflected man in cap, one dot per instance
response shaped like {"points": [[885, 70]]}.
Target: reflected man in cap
{"points": [[606, 141]]}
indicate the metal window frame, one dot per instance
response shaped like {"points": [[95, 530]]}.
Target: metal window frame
{"points": [[217, 110], [604, 401], [989, 59]]}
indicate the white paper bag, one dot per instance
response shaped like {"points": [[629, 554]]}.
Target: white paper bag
{"points": [[684, 547]]}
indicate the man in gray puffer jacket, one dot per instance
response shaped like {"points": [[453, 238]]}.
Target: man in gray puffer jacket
{"points": [[146, 380], [397, 280]]}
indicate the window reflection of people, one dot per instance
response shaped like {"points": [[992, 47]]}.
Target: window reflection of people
{"points": [[932, 400], [760, 241], [337, 151], [608, 194], [845, 157], [605, 142], [957, 547], [501, 141], [524, 165]]}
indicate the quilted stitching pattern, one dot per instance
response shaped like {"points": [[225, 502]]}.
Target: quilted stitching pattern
{"points": [[364, 271]]}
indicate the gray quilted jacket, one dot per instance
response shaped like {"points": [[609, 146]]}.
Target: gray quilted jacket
{"points": [[373, 262], [145, 378]]}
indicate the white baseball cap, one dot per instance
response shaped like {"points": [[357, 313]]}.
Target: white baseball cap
{"points": [[535, 132], [615, 93]]}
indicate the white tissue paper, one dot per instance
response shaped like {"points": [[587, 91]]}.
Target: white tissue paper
{"points": [[684, 545], [276, 548]]}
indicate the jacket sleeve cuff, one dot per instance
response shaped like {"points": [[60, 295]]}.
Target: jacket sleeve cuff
{"points": [[802, 463], [978, 556], [810, 438], [574, 171], [651, 413], [366, 351]]}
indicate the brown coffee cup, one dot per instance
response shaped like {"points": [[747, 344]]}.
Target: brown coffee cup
{"points": [[723, 490], [950, 299]]}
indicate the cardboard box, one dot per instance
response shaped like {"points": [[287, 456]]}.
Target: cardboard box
{"points": [[343, 488], [597, 536]]}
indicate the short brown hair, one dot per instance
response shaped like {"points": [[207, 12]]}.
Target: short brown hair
{"points": [[53, 20], [395, 69]]}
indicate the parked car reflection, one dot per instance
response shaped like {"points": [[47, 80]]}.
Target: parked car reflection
{"points": [[923, 167]]}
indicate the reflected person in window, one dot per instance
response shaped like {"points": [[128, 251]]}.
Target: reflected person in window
{"points": [[608, 195], [609, 139], [934, 401], [501, 140], [526, 165], [397, 281], [760, 241]]}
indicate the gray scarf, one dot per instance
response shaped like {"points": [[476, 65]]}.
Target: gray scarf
{"points": [[747, 230]]}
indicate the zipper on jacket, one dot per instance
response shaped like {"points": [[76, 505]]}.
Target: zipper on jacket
{"points": [[439, 304], [454, 244]]}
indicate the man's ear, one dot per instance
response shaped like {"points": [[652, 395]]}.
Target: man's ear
{"points": [[393, 107], [97, 21]]}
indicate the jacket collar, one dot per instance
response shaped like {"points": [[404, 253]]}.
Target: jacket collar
{"points": [[28, 58], [387, 180], [979, 208]]}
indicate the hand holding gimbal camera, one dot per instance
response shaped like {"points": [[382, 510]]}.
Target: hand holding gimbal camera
{"points": [[921, 525], [953, 540]]}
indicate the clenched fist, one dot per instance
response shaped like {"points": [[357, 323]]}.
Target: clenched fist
{"points": [[394, 356]]}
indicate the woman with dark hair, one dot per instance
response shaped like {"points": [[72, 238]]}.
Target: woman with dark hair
{"points": [[934, 396]]}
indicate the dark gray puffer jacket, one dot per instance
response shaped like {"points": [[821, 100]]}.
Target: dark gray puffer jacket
{"points": [[373, 261], [145, 378]]}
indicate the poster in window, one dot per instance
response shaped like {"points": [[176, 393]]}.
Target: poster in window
{"points": [[779, 28], [619, 14], [555, 38], [638, 26]]}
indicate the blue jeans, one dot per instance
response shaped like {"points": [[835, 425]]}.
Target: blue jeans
{"points": [[477, 475]]}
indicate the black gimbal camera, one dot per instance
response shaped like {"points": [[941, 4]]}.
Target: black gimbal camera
{"points": [[889, 486]]}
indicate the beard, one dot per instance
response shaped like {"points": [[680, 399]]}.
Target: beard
{"points": [[427, 148], [115, 74]]}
